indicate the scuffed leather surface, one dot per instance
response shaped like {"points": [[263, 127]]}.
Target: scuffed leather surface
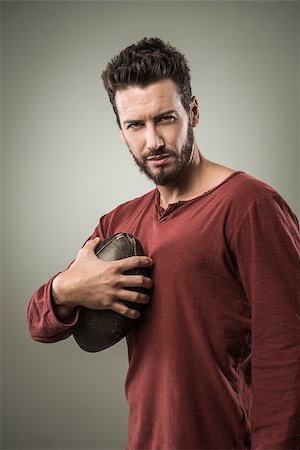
{"points": [[97, 330]]}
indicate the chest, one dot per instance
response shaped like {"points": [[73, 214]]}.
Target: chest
{"points": [[187, 238]]}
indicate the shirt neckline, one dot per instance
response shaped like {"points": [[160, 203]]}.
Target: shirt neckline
{"points": [[161, 211]]}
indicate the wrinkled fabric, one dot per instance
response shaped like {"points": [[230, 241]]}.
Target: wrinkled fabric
{"points": [[215, 363]]}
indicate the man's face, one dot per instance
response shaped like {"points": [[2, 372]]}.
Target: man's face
{"points": [[157, 130]]}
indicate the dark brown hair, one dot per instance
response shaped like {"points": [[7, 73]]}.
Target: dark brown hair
{"points": [[146, 62]]}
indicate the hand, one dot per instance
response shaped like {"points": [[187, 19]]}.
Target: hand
{"points": [[98, 284]]}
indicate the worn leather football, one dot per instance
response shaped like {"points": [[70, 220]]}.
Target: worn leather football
{"points": [[97, 330]]}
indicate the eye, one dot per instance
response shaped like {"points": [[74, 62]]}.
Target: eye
{"points": [[134, 126], [167, 119]]}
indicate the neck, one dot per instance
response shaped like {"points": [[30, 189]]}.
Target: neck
{"points": [[188, 185], [199, 177]]}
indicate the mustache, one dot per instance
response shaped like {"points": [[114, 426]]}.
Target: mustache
{"points": [[162, 150]]}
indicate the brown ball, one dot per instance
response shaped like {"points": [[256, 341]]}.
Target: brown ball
{"points": [[97, 330]]}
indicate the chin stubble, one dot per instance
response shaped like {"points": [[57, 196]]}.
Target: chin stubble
{"points": [[165, 177]]}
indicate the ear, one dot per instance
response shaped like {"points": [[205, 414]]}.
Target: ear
{"points": [[194, 112]]}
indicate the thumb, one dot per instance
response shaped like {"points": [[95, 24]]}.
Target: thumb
{"points": [[91, 244], [88, 249]]}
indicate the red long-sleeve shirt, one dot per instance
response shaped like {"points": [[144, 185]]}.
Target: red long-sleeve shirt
{"points": [[215, 363]]}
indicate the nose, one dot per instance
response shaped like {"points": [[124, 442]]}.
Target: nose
{"points": [[154, 139]]}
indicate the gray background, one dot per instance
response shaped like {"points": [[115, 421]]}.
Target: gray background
{"points": [[63, 166]]}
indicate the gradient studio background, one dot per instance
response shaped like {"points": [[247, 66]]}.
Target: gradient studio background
{"points": [[64, 166]]}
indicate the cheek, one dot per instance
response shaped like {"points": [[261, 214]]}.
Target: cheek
{"points": [[178, 137], [135, 143]]}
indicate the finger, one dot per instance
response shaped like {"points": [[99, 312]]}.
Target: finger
{"points": [[125, 311], [135, 281], [133, 296], [133, 262], [91, 244], [89, 247]]}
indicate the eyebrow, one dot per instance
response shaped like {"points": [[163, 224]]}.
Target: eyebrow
{"points": [[159, 116]]}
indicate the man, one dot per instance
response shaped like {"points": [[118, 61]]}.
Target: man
{"points": [[215, 362]]}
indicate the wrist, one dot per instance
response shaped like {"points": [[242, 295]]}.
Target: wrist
{"points": [[56, 291], [61, 308], [60, 292]]}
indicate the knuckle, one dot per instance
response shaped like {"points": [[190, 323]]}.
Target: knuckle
{"points": [[106, 302], [110, 280], [137, 261], [140, 280], [131, 313], [135, 296], [121, 309], [113, 268]]}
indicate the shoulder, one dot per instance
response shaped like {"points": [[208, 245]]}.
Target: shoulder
{"points": [[246, 197], [120, 215], [246, 189], [243, 191]]}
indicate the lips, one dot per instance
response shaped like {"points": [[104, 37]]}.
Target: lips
{"points": [[158, 157], [159, 160]]}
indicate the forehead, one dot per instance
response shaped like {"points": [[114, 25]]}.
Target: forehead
{"points": [[150, 100]]}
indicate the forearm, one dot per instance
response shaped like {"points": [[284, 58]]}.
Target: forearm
{"points": [[62, 311], [46, 322], [275, 412], [268, 249]]}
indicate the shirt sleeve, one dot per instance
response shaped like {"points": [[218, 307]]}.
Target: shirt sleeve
{"points": [[267, 251], [43, 325]]}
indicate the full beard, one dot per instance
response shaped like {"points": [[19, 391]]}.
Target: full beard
{"points": [[165, 177]]}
